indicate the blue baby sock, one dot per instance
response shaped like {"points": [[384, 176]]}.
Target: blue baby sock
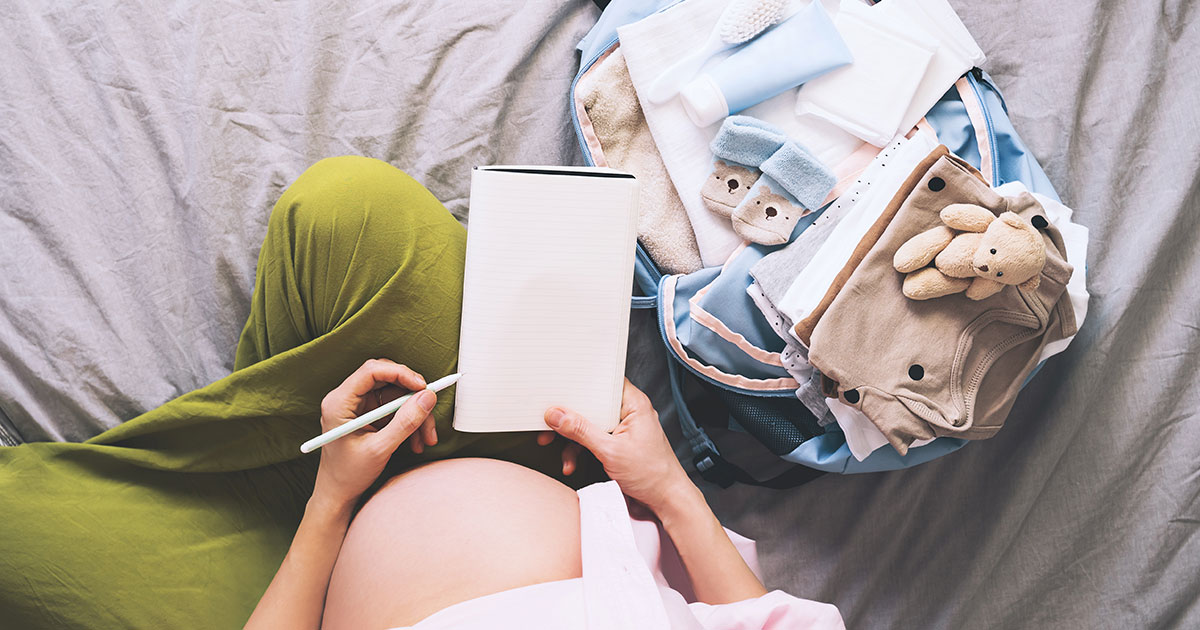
{"points": [[742, 143], [793, 183]]}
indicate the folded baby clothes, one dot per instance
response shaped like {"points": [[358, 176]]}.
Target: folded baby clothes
{"points": [[812, 395], [793, 184], [615, 117], [950, 366], [869, 97], [862, 436], [793, 357], [778, 321], [814, 284], [776, 272]]}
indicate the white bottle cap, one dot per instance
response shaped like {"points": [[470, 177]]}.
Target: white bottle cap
{"points": [[703, 101]]}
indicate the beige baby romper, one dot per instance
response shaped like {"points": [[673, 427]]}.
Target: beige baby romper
{"points": [[948, 366]]}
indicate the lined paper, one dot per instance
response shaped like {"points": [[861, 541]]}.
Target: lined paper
{"points": [[545, 317]]}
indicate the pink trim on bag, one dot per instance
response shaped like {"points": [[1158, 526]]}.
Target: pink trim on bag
{"points": [[667, 299], [979, 122], [709, 321], [585, 124]]}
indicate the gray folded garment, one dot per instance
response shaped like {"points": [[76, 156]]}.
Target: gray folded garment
{"points": [[610, 101], [777, 270], [813, 398]]}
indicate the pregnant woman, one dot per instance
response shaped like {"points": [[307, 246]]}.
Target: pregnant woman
{"points": [[509, 539], [180, 516]]}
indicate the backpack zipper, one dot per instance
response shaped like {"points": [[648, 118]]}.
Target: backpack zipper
{"points": [[987, 121]]}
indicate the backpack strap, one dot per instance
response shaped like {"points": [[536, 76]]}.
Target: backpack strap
{"points": [[645, 277], [968, 87], [715, 469], [707, 458]]}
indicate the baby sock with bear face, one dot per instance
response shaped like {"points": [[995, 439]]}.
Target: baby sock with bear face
{"points": [[742, 143], [727, 186], [793, 183]]}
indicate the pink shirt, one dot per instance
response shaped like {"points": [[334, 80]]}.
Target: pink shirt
{"points": [[632, 578]]}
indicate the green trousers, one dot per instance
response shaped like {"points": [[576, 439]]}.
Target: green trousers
{"points": [[179, 517]]}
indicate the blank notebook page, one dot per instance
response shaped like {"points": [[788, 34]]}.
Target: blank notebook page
{"points": [[545, 317]]}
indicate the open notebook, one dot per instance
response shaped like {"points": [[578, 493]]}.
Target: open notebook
{"points": [[545, 316]]}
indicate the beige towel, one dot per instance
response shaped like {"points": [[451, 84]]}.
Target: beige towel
{"points": [[663, 227]]}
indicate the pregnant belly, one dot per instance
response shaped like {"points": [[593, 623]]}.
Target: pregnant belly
{"points": [[448, 532]]}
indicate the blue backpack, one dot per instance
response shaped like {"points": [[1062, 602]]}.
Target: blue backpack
{"points": [[971, 120]]}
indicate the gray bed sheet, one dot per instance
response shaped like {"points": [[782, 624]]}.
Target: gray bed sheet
{"points": [[140, 154], [1083, 511]]}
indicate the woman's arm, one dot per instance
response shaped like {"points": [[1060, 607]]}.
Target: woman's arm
{"points": [[639, 458], [719, 573], [295, 599]]}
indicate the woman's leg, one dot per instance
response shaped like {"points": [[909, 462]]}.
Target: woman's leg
{"points": [[345, 229], [180, 516], [357, 248], [359, 262], [357, 239]]}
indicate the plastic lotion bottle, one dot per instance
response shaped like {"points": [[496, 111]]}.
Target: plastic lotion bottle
{"points": [[797, 50]]}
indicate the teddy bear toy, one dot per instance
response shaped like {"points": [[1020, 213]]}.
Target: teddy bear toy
{"points": [[975, 251]]}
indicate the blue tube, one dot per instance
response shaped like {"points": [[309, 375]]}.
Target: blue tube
{"points": [[797, 50]]}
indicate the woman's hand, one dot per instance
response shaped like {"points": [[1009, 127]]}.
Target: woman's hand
{"points": [[349, 465], [570, 451], [639, 458], [636, 455]]}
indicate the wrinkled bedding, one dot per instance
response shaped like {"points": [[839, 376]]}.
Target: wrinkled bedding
{"points": [[140, 154]]}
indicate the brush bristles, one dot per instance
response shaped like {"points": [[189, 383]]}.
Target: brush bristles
{"points": [[743, 19]]}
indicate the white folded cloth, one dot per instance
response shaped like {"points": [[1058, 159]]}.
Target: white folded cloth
{"points": [[870, 97], [862, 436], [870, 195], [892, 83], [956, 51]]}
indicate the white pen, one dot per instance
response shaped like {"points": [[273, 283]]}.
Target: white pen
{"points": [[372, 416]]}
